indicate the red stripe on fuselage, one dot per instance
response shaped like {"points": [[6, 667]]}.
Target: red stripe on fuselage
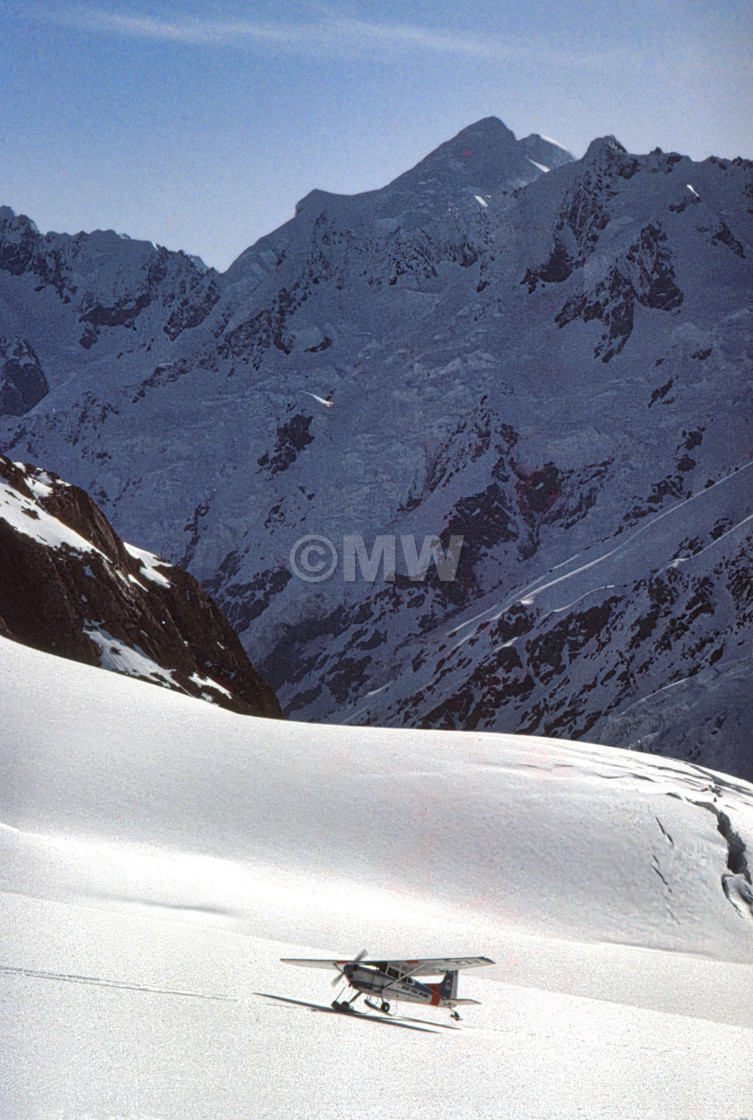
{"points": [[435, 997]]}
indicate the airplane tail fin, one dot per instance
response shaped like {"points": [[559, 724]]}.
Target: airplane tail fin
{"points": [[448, 989]]}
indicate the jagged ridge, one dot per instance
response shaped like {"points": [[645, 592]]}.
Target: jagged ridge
{"points": [[546, 366]]}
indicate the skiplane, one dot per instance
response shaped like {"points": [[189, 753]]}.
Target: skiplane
{"points": [[397, 979]]}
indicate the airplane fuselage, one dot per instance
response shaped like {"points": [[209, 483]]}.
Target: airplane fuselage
{"points": [[377, 982]]}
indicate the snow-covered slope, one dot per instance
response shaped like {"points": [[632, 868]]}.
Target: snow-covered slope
{"points": [[160, 855], [554, 365], [70, 586]]}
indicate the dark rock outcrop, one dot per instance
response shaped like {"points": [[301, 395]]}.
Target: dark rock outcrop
{"points": [[70, 586], [22, 380]]}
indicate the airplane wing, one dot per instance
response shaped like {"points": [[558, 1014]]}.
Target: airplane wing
{"points": [[339, 965], [426, 966], [435, 966]]}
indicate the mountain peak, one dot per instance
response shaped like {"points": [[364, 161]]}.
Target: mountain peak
{"points": [[602, 144], [491, 127], [481, 160]]}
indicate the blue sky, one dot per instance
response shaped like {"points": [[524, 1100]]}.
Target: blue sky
{"points": [[199, 125]]}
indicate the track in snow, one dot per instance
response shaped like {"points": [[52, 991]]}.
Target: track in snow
{"points": [[40, 974]]}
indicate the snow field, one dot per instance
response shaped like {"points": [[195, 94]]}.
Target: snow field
{"points": [[159, 856]]}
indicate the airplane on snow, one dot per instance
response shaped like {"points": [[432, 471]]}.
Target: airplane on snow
{"points": [[397, 979]]}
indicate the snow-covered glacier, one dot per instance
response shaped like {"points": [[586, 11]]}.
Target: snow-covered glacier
{"points": [[160, 855]]}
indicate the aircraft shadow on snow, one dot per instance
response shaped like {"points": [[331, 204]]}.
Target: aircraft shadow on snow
{"points": [[362, 1017]]}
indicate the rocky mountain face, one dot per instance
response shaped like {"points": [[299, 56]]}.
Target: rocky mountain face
{"points": [[70, 586], [550, 359]]}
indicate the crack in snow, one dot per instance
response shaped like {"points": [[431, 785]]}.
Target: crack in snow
{"points": [[736, 881]]}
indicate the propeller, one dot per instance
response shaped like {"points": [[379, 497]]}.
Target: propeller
{"points": [[344, 971]]}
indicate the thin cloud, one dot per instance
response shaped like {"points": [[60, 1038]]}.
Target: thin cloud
{"points": [[195, 32], [403, 36], [331, 35]]}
